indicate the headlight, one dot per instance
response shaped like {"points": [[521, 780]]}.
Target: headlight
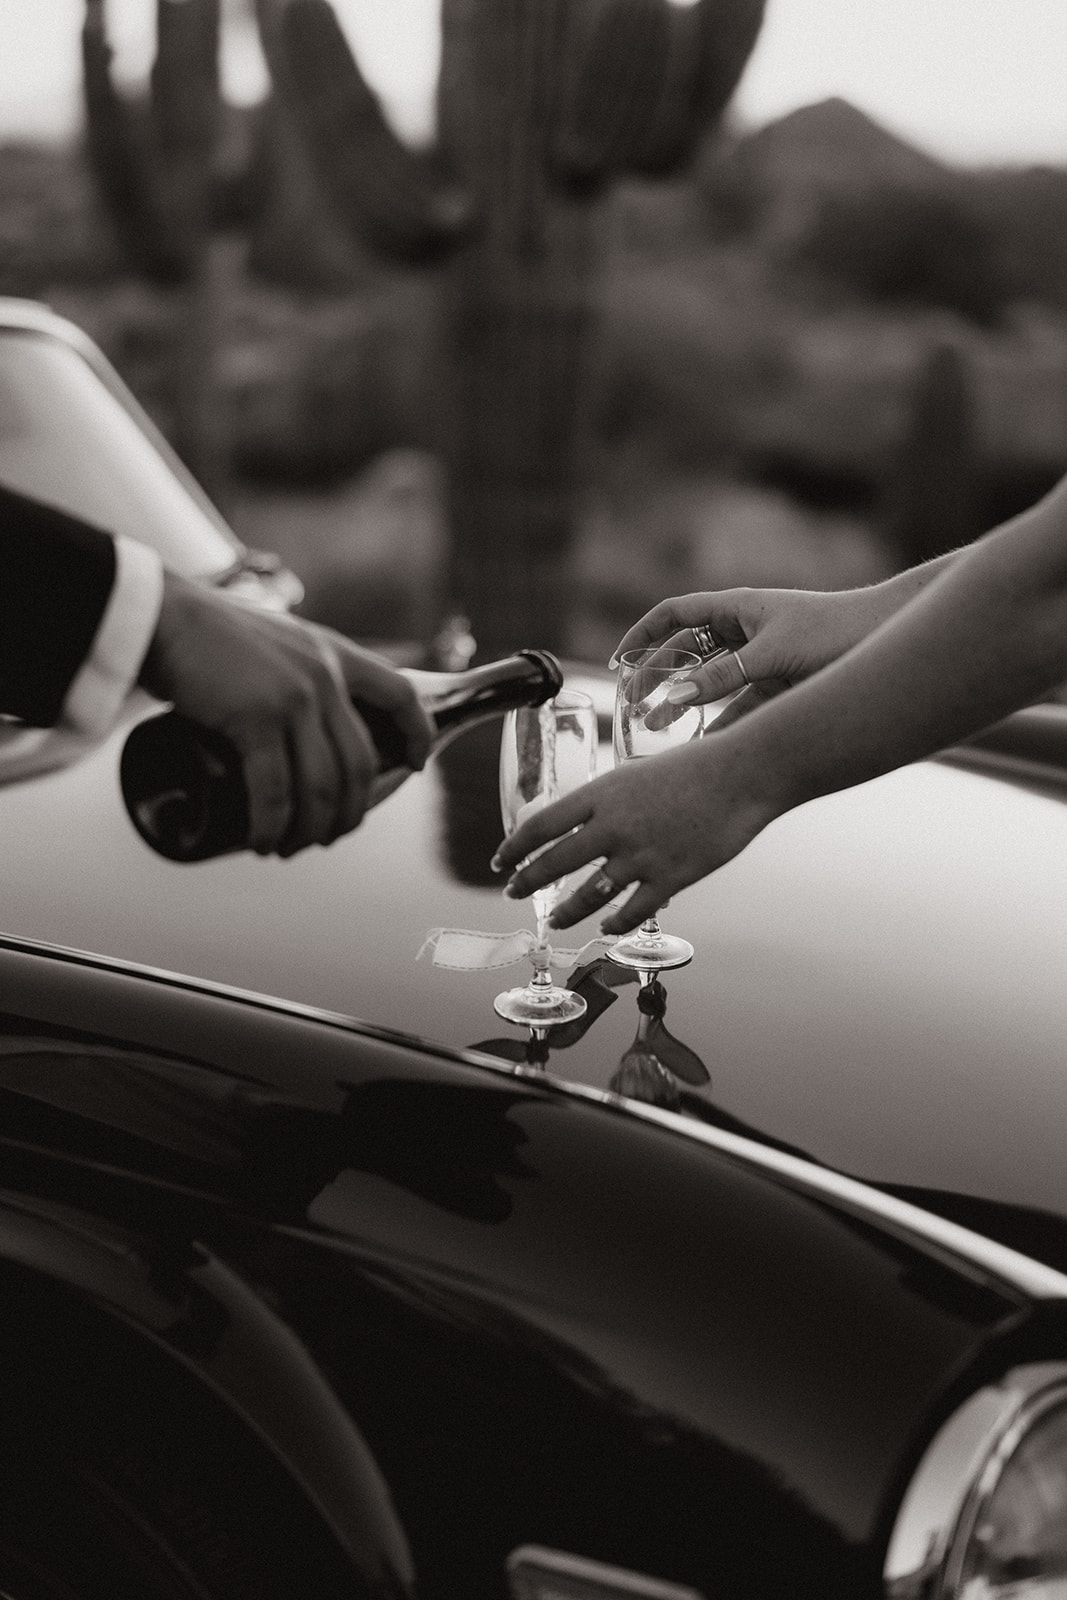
{"points": [[985, 1515]]}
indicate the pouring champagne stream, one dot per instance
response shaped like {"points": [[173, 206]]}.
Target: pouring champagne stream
{"points": [[545, 752], [644, 724]]}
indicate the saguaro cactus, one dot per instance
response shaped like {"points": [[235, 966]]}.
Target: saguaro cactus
{"points": [[162, 171], [156, 175], [542, 103], [932, 484]]}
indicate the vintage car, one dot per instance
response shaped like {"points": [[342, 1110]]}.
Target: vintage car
{"points": [[319, 1280]]}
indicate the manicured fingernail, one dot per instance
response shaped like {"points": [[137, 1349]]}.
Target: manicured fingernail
{"points": [[496, 864], [510, 891], [679, 692], [613, 664]]}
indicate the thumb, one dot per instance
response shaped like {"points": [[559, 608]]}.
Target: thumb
{"points": [[386, 784]]}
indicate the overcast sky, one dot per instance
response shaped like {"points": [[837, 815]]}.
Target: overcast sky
{"points": [[970, 80]]}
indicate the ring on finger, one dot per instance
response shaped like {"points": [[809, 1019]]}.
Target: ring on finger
{"points": [[604, 886], [705, 640], [741, 669]]}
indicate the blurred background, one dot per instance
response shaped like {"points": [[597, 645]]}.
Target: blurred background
{"points": [[534, 313]]}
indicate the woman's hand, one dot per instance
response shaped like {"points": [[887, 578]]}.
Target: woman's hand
{"points": [[770, 638], [659, 824]]}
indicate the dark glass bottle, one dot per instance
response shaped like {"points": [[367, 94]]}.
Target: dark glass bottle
{"points": [[182, 783]]}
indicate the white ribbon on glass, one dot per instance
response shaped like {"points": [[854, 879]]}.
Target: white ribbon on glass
{"points": [[467, 950]]}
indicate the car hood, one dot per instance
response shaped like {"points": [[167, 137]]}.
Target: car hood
{"points": [[877, 981]]}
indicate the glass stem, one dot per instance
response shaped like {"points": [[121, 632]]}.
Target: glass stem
{"points": [[542, 902], [651, 928], [542, 965]]}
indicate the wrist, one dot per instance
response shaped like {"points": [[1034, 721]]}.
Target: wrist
{"points": [[758, 784], [796, 746], [888, 596], [178, 602]]}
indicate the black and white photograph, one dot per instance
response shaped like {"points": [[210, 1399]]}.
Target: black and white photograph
{"points": [[533, 799]]}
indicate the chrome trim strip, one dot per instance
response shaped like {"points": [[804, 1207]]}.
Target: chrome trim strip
{"points": [[958, 1245], [536, 1572], [19, 944], [1030, 746], [945, 1494], [33, 316]]}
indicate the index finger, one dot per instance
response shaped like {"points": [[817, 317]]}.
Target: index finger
{"points": [[414, 722], [673, 621], [375, 681], [655, 627], [385, 784], [267, 773], [542, 827]]}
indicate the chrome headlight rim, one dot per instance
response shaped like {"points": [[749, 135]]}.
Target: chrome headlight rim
{"points": [[977, 1503], [951, 1489]]}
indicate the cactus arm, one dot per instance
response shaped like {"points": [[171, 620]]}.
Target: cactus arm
{"points": [[645, 80], [186, 111], [613, 70], [708, 46], [119, 160], [390, 197], [674, 125], [728, 31]]}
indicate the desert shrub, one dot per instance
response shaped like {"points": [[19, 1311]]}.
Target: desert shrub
{"points": [[920, 245], [733, 190], [1008, 487], [818, 485], [50, 230], [932, 481], [318, 389], [1025, 214], [683, 350]]}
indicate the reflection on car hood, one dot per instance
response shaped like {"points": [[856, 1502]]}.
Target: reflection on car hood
{"points": [[877, 981]]}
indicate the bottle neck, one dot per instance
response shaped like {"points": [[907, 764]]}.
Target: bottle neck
{"points": [[457, 698]]}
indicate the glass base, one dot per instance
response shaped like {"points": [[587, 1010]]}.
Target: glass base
{"points": [[531, 1007], [651, 952]]}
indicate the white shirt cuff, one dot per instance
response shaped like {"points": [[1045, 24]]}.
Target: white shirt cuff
{"points": [[110, 670], [97, 693]]}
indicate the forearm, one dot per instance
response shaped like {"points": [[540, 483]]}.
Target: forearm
{"points": [[846, 617], [985, 635], [885, 599]]}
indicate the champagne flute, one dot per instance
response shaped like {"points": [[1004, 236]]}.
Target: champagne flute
{"points": [[646, 723], [545, 751]]}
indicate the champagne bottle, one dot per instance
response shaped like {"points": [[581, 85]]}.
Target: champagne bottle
{"points": [[183, 785]]}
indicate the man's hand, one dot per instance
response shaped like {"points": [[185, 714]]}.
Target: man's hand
{"points": [[280, 690]]}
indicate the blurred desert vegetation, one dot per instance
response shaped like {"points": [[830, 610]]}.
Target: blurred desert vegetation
{"points": [[821, 354]]}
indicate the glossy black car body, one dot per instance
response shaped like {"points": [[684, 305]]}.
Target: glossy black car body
{"points": [[296, 1304], [465, 1310]]}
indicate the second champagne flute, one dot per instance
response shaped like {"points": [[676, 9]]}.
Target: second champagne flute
{"points": [[646, 724], [545, 751]]}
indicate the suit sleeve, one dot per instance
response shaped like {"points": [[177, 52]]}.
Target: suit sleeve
{"points": [[77, 612]]}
